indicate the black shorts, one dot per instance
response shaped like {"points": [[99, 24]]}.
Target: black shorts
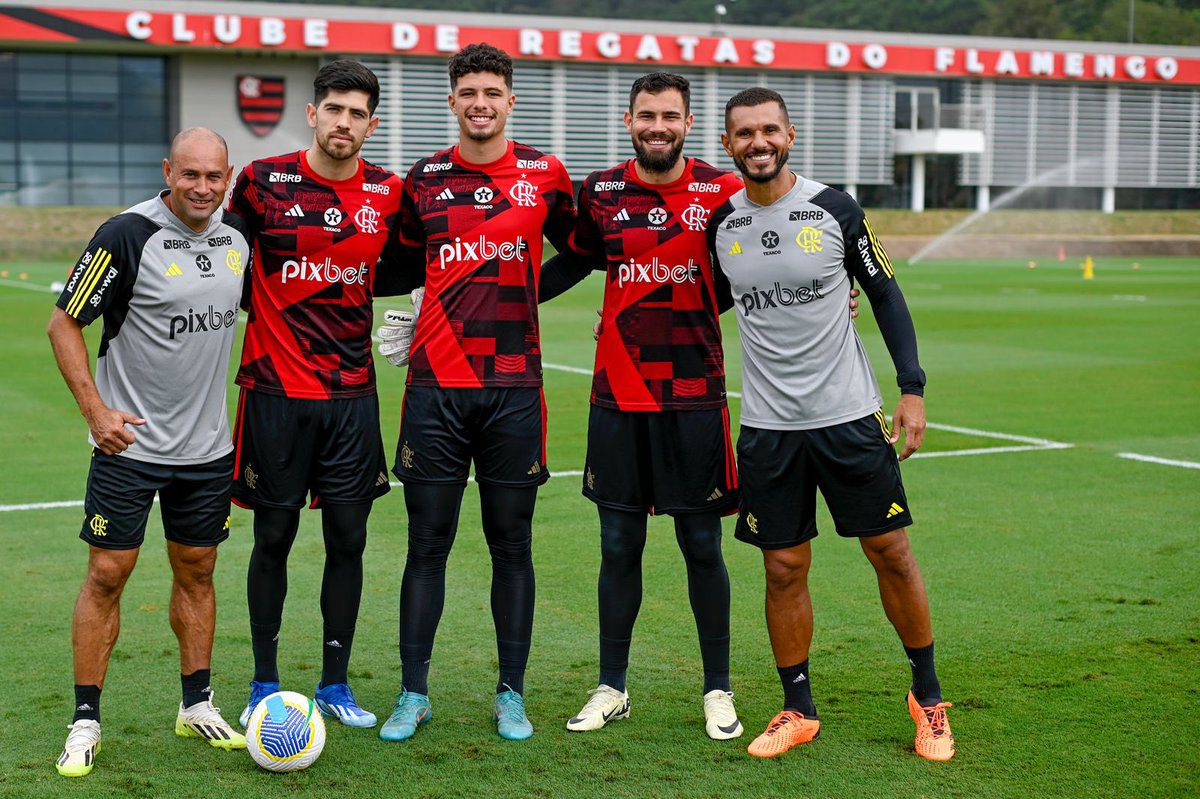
{"points": [[853, 465], [289, 449], [193, 501], [661, 462], [442, 430]]}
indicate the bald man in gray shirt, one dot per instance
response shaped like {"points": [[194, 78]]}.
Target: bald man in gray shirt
{"points": [[789, 249]]}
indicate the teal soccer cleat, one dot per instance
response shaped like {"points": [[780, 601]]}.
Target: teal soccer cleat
{"points": [[511, 721], [411, 711]]}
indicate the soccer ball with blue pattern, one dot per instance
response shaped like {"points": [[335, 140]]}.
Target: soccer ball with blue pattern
{"points": [[286, 732]]}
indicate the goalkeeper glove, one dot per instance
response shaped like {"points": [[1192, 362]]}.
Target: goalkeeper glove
{"points": [[396, 333]]}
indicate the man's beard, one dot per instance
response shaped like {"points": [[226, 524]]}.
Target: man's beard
{"points": [[336, 154], [781, 159], [658, 163]]}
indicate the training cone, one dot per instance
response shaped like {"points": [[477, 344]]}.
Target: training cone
{"points": [[1062, 254], [1089, 268], [1136, 265], [1033, 264]]}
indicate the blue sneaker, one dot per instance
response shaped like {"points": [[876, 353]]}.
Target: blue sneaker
{"points": [[411, 711], [258, 692], [511, 721], [337, 700]]}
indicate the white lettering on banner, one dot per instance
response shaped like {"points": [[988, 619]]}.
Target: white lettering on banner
{"points": [[316, 33], [482, 249], [530, 42], [875, 56], [943, 58], [1041, 63], [324, 272], [656, 272], [1073, 65], [179, 29], [764, 52], [974, 65], [446, 38], [227, 28], [648, 49], [570, 44], [608, 45], [137, 25], [1105, 66], [726, 52], [687, 47], [271, 31], [1166, 68], [1006, 64], [1135, 67], [836, 55], [405, 36]]}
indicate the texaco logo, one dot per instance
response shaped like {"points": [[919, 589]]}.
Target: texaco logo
{"points": [[695, 217], [524, 194], [770, 239], [657, 216], [367, 219], [333, 217], [202, 263], [484, 195]]}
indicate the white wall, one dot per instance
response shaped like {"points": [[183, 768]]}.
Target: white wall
{"points": [[208, 96]]}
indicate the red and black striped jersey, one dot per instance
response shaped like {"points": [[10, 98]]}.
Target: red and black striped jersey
{"points": [[660, 342], [315, 245], [480, 227]]}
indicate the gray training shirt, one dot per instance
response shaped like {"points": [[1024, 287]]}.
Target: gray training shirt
{"points": [[789, 268], [169, 297]]}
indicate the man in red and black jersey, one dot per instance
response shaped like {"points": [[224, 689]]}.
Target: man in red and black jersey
{"points": [[658, 432], [308, 418], [477, 212]]}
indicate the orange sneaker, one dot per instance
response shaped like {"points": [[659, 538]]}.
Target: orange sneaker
{"points": [[786, 730], [934, 741]]}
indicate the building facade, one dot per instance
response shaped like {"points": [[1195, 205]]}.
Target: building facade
{"points": [[91, 93]]}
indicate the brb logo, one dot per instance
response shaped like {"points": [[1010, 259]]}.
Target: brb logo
{"points": [[656, 272], [778, 296], [483, 249], [324, 272], [206, 321]]}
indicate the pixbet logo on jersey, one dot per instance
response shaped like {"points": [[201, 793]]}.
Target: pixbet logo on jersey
{"points": [[324, 272], [482, 249], [656, 272], [207, 321], [778, 297]]}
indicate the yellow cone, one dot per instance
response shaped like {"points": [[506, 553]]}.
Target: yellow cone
{"points": [[1089, 268]]}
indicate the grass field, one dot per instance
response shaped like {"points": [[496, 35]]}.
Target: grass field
{"points": [[1064, 584]]}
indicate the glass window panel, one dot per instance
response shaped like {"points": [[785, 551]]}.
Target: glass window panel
{"points": [[96, 152], [149, 171], [44, 151], [37, 86], [8, 171], [42, 61], [93, 64], [108, 193], [142, 153], [94, 83]]}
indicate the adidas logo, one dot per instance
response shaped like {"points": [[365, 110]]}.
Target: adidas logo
{"points": [[895, 510], [446, 195], [334, 643], [736, 249], [295, 211], [535, 469], [173, 270], [799, 678], [381, 479], [621, 216], [84, 706], [715, 495]]}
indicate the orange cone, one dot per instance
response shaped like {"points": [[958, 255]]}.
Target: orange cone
{"points": [[1062, 254]]}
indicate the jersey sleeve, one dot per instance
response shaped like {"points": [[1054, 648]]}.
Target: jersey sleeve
{"points": [[868, 263], [721, 287], [401, 266], [586, 238], [560, 216], [245, 202], [104, 273]]}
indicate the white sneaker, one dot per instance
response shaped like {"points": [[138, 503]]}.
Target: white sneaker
{"points": [[721, 721], [79, 754], [202, 720], [606, 704]]}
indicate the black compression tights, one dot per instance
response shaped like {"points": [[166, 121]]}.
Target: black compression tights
{"points": [[622, 540], [432, 523], [345, 531]]}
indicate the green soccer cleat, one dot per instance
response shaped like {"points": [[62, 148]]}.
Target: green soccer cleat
{"points": [[511, 721], [410, 712]]}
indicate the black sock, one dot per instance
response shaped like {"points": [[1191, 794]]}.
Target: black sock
{"points": [[196, 687], [797, 694], [925, 685], [264, 642], [619, 589], [336, 656], [87, 703], [613, 678], [415, 676], [716, 681]]}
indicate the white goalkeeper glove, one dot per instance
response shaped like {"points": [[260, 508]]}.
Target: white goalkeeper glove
{"points": [[396, 332]]}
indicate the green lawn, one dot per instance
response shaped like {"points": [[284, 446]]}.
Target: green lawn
{"points": [[1063, 583]]}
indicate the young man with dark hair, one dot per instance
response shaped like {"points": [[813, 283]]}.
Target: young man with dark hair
{"points": [[160, 372], [812, 414], [658, 430], [308, 418], [476, 214]]}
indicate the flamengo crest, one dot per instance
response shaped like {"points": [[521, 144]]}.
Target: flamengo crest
{"points": [[260, 102]]}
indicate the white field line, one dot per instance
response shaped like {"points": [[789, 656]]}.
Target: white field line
{"points": [[1133, 456], [25, 284]]}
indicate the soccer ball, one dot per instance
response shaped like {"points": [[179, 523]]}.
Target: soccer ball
{"points": [[286, 732]]}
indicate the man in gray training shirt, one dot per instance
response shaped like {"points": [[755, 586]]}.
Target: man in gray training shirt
{"points": [[812, 415], [166, 276]]}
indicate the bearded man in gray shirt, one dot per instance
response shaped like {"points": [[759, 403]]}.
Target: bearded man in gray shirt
{"points": [[788, 249]]}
